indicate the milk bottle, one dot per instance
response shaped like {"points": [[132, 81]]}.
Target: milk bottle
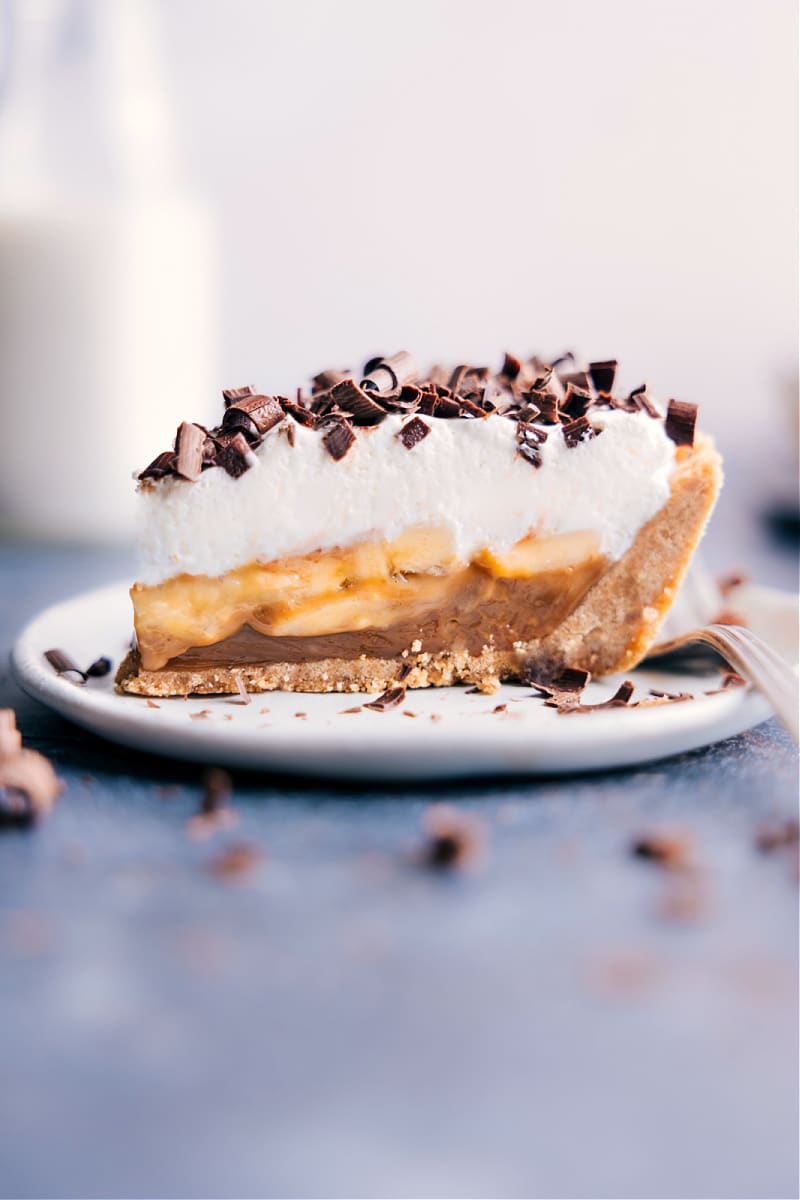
{"points": [[107, 265]]}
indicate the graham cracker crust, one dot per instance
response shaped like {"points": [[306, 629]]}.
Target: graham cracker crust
{"points": [[610, 629]]}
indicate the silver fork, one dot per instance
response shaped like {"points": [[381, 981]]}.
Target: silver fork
{"points": [[688, 626]]}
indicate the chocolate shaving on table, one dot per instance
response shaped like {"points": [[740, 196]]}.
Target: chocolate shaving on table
{"points": [[189, 442], [29, 786], [454, 840], [262, 412], [389, 699], [100, 667], [232, 395], [339, 438], [352, 399], [413, 433], [217, 791], [668, 850], [580, 430], [529, 439], [236, 861], [63, 664], [389, 374], [235, 455], [680, 422], [778, 835], [603, 375]]}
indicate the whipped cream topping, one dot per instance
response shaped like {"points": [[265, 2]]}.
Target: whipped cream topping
{"points": [[466, 476]]}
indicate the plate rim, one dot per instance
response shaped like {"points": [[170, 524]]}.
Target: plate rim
{"points": [[495, 749]]}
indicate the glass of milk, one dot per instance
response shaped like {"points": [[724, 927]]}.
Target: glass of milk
{"points": [[107, 273]]}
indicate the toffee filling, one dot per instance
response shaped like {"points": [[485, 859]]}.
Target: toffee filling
{"points": [[480, 611]]}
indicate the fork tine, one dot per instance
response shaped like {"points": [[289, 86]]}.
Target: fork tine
{"points": [[759, 663]]}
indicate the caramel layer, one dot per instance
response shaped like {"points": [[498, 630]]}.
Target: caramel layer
{"points": [[481, 610], [411, 583]]}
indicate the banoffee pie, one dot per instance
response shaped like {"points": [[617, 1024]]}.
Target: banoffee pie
{"points": [[458, 526]]}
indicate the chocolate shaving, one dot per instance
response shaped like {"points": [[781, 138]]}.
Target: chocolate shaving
{"points": [[576, 379], [547, 404], [235, 455], [328, 379], [434, 404], [339, 438], [217, 791], [580, 430], [529, 439], [603, 375], [345, 712], [453, 839], [302, 415], [61, 662], [352, 399], [236, 861], [163, 464], [569, 702], [511, 367], [388, 374], [99, 668], [668, 697], [413, 432], [232, 395], [389, 698], [671, 851], [189, 443], [577, 401], [244, 695], [680, 422], [778, 836], [404, 672], [730, 679], [500, 708], [261, 412]]}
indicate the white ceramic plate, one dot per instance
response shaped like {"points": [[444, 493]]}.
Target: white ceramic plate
{"points": [[454, 733]]}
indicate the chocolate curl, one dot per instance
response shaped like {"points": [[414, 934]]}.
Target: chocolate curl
{"points": [[389, 374], [189, 443]]}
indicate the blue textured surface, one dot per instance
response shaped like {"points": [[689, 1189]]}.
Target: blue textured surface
{"points": [[342, 1023]]}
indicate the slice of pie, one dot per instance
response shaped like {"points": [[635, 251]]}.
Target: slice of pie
{"points": [[454, 527]]}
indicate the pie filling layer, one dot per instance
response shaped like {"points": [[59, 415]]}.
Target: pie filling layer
{"points": [[377, 598]]}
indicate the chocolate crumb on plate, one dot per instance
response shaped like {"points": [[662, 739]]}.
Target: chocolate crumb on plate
{"points": [[680, 422], [244, 695], [345, 712], [730, 679], [152, 704], [566, 703], [453, 839], [66, 666], [389, 698], [500, 708], [100, 667], [201, 715]]}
